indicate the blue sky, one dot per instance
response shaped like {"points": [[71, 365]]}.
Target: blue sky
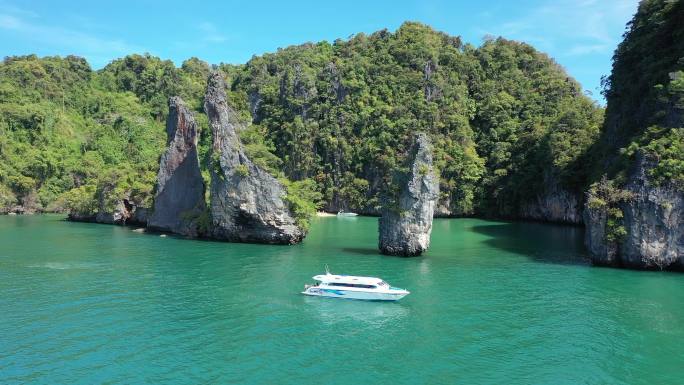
{"points": [[581, 34]]}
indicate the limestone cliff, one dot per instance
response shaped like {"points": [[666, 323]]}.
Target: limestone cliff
{"points": [[634, 216], [247, 203], [653, 223], [179, 199], [406, 221], [554, 205]]}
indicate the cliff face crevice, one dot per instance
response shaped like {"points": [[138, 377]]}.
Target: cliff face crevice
{"points": [[654, 222], [556, 205], [179, 200], [406, 222], [247, 203]]}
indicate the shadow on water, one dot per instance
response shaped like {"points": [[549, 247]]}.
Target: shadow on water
{"points": [[542, 242], [361, 250], [369, 251]]}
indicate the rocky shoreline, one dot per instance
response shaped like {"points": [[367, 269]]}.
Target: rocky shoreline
{"points": [[139, 225]]}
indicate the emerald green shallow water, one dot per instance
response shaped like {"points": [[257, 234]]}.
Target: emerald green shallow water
{"points": [[491, 302]]}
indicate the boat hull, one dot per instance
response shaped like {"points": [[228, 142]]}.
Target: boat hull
{"points": [[355, 294], [347, 214]]}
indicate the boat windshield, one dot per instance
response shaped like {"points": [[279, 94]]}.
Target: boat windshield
{"points": [[352, 285]]}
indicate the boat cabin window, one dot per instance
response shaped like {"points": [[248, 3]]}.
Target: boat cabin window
{"points": [[352, 285]]}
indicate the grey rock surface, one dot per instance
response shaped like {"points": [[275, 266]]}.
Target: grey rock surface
{"points": [[555, 205], [140, 216], [406, 221], [654, 223], [179, 199], [600, 250], [247, 203], [125, 212]]}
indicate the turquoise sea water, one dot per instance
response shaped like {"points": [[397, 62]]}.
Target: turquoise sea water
{"points": [[491, 303]]}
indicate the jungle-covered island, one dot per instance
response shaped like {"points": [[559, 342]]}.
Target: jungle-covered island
{"points": [[330, 126]]}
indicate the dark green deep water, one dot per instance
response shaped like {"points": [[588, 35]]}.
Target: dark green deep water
{"points": [[491, 302]]}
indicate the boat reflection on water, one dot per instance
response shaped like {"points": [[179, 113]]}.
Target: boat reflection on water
{"points": [[368, 314]]}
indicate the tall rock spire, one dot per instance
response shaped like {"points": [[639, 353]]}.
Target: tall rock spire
{"points": [[179, 200], [406, 221], [247, 203]]}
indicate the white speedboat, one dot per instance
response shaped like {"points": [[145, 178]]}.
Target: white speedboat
{"points": [[353, 287], [346, 214]]}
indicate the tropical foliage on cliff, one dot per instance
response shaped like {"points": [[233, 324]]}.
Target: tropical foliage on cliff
{"points": [[644, 125], [64, 129], [645, 95], [506, 121]]}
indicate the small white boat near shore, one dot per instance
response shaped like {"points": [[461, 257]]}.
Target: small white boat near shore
{"points": [[353, 287], [346, 214]]}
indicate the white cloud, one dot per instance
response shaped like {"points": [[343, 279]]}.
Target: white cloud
{"points": [[584, 25], [9, 22], [28, 26], [8, 8], [211, 33], [588, 49]]}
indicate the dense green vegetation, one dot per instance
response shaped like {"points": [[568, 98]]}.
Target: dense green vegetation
{"points": [[506, 120], [336, 119], [605, 197], [644, 115], [63, 129], [645, 94]]}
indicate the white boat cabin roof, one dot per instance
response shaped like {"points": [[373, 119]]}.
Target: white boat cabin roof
{"points": [[347, 279]]}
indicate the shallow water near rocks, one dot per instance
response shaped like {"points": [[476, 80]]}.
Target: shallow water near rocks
{"points": [[491, 302]]}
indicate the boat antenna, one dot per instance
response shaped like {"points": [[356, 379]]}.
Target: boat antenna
{"points": [[327, 269]]}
